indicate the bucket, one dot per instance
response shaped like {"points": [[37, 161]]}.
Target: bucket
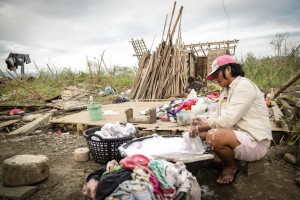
{"points": [[95, 112]]}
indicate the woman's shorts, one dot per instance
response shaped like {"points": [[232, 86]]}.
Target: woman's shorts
{"points": [[250, 150]]}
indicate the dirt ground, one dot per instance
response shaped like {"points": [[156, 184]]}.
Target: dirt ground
{"points": [[67, 176]]}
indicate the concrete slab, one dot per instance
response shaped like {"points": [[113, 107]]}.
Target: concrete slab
{"points": [[17, 193]]}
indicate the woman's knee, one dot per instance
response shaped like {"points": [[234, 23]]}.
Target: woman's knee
{"points": [[213, 137], [219, 137]]}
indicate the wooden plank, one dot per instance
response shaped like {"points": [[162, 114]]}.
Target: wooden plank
{"points": [[277, 113], [168, 33], [145, 76], [10, 122], [142, 120], [28, 128], [192, 65], [275, 127], [162, 37], [138, 76], [176, 22], [184, 157], [203, 44], [10, 117]]}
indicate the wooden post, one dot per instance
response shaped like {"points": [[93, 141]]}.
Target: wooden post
{"points": [[129, 113]]}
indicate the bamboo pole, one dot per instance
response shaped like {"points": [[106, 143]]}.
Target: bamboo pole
{"points": [[163, 34], [36, 67], [50, 70]]}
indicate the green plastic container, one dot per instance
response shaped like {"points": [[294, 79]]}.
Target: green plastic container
{"points": [[95, 112]]}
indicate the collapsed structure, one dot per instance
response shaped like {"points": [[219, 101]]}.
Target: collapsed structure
{"points": [[163, 73]]}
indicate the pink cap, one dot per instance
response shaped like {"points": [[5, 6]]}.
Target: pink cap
{"points": [[216, 64]]}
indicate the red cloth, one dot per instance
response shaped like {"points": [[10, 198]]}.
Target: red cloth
{"points": [[14, 111], [213, 95], [89, 189], [137, 160], [168, 193], [186, 105]]}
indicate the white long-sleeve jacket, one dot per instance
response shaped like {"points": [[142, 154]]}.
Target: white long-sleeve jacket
{"points": [[242, 107]]}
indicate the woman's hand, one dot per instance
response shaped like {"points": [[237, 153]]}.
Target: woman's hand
{"points": [[193, 132], [196, 125], [198, 121], [203, 135]]}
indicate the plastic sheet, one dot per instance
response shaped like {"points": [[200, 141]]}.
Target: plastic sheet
{"points": [[157, 145]]}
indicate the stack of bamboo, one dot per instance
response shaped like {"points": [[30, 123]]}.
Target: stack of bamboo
{"points": [[164, 72]]}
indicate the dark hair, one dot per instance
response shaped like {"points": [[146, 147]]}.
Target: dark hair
{"points": [[236, 70], [191, 79]]}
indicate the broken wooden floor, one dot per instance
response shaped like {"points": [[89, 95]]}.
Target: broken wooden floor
{"points": [[83, 117]]}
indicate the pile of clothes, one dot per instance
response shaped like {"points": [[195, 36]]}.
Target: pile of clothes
{"points": [[138, 177], [199, 105]]}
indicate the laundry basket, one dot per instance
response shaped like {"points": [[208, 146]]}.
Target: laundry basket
{"points": [[105, 149]]}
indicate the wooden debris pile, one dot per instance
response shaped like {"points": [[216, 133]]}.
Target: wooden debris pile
{"points": [[162, 73]]}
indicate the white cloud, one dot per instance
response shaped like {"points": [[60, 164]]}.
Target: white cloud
{"points": [[64, 32]]}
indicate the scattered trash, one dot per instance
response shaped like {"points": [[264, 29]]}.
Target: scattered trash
{"points": [[206, 192], [67, 105], [110, 112], [38, 131], [108, 90], [165, 118], [121, 99], [15, 111], [126, 92], [82, 154], [67, 133], [73, 93], [192, 95]]}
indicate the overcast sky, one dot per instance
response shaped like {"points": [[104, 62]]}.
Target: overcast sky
{"points": [[62, 33]]}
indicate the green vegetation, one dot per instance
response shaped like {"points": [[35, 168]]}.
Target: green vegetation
{"points": [[272, 72], [32, 90]]}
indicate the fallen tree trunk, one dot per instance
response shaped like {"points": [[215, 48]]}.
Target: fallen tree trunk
{"points": [[287, 84]]}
